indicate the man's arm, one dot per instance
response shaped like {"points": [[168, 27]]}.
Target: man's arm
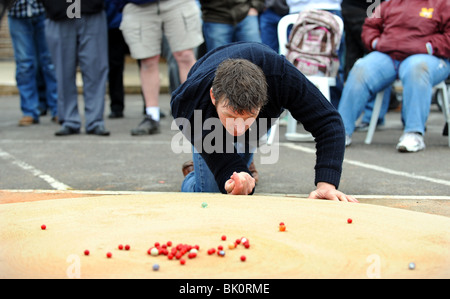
{"points": [[440, 42], [373, 28], [318, 116]]}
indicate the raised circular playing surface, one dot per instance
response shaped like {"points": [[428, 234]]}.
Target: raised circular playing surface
{"points": [[380, 243]]}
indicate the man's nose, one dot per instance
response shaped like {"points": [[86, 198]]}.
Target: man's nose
{"points": [[239, 127]]}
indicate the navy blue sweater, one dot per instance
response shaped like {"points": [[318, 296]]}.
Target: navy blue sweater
{"points": [[288, 89]]}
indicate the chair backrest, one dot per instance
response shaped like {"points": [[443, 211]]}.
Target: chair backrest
{"points": [[283, 30]]}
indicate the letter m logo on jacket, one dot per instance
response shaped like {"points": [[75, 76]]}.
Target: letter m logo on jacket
{"points": [[427, 12]]}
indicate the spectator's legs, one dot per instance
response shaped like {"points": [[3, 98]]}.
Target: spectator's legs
{"points": [[62, 41], [150, 82], [217, 34], [93, 60], [369, 75], [248, 30], [46, 67], [419, 73], [22, 35], [268, 22], [117, 49], [185, 59]]}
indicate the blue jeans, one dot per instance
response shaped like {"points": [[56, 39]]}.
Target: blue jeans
{"points": [[268, 22], [376, 71], [218, 34], [202, 179], [31, 53]]}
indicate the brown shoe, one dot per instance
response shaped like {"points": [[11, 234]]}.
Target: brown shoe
{"points": [[27, 121], [254, 172], [187, 167]]}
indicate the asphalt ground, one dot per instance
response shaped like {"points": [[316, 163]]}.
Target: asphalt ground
{"points": [[33, 158]]}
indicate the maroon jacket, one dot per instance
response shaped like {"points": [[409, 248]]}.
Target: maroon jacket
{"points": [[404, 27]]}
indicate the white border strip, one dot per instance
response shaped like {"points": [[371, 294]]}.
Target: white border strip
{"points": [[106, 192]]}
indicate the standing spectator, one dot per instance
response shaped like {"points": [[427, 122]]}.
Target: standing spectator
{"points": [[268, 22], [227, 21], [78, 35], [26, 20], [118, 50], [409, 40], [144, 22]]}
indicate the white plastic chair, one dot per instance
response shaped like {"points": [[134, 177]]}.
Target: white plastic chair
{"points": [[322, 83], [442, 87]]}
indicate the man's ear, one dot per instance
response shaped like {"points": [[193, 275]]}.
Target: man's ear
{"points": [[211, 95]]}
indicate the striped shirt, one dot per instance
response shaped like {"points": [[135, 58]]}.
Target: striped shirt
{"points": [[26, 9]]}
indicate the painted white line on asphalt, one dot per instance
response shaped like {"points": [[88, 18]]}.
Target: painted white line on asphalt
{"points": [[36, 172], [399, 173], [86, 141], [372, 167]]}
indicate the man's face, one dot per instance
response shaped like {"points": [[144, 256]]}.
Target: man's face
{"points": [[236, 124]]}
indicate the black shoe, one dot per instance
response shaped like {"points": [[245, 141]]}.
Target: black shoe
{"points": [[64, 131], [99, 131], [114, 114], [445, 131], [147, 127]]}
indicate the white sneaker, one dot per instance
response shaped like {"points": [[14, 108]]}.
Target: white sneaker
{"points": [[348, 140], [411, 142]]}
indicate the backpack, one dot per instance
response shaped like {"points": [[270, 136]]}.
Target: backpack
{"points": [[313, 43]]}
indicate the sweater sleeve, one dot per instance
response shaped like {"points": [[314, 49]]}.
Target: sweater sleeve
{"points": [[441, 40], [372, 27], [319, 117]]}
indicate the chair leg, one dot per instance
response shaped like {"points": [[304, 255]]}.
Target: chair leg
{"points": [[445, 104], [273, 131], [374, 118], [323, 84], [291, 124]]}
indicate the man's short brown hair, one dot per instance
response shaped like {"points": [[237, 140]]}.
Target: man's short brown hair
{"points": [[242, 84]]}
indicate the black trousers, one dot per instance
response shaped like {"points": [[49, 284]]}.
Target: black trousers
{"points": [[117, 49], [353, 21]]}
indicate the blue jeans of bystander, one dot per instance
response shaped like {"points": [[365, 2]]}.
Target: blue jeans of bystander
{"points": [[376, 71], [268, 22], [218, 34], [31, 52]]}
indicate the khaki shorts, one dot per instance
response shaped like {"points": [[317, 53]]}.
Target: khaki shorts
{"points": [[144, 25]]}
